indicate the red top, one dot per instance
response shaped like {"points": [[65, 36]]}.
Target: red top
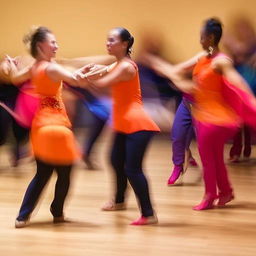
{"points": [[128, 113]]}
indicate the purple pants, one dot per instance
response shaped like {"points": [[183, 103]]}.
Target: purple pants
{"points": [[182, 132]]}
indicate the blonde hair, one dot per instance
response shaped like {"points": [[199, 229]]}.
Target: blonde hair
{"points": [[35, 35]]}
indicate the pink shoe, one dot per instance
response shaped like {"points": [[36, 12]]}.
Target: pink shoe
{"points": [[192, 162], [177, 170], [234, 159], [145, 221], [224, 199], [205, 204]]}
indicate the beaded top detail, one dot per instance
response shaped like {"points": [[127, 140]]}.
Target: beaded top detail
{"points": [[51, 102]]}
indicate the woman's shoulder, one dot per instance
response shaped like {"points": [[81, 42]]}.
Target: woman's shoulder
{"points": [[220, 61], [222, 57], [128, 66], [39, 66], [45, 69]]}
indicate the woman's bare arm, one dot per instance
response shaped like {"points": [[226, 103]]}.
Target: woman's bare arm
{"points": [[113, 74], [57, 73], [17, 77], [169, 70], [226, 68], [76, 63]]}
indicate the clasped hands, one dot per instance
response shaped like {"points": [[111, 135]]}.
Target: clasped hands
{"points": [[90, 72]]}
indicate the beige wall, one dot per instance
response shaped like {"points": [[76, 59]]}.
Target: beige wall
{"points": [[81, 25]]}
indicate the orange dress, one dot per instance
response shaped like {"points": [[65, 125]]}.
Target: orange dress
{"points": [[52, 140], [210, 104], [128, 113]]}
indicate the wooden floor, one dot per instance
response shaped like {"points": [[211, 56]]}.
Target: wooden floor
{"points": [[181, 231]]}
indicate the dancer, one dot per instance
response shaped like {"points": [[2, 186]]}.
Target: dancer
{"points": [[241, 45], [182, 131], [222, 100], [52, 140], [8, 98], [18, 103], [181, 135], [133, 128], [100, 109]]}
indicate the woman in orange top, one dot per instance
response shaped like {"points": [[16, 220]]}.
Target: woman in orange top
{"points": [[133, 127], [218, 108], [53, 142]]}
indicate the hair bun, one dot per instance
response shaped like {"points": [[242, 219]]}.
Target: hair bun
{"points": [[29, 36], [214, 22]]}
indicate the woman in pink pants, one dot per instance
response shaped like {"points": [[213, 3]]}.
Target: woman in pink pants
{"points": [[222, 102]]}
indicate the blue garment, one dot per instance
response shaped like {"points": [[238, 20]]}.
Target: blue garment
{"points": [[101, 107]]}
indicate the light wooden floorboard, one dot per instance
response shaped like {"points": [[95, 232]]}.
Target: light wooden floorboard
{"points": [[181, 231]]}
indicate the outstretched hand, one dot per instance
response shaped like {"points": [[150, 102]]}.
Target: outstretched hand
{"points": [[157, 64], [11, 60], [87, 68]]}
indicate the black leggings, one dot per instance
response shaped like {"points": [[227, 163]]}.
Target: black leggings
{"points": [[126, 158], [36, 186]]}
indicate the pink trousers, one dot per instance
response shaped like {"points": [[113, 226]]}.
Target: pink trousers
{"points": [[211, 139]]}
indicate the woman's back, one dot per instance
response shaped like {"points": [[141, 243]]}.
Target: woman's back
{"points": [[210, 104]]}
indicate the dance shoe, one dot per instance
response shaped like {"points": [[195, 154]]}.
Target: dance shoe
{"points": [[207, 203], [234, 159], [145, 221], [177, 170], [21, 223], [224, 199], [112, 206], [60, 219], [192, 162]]}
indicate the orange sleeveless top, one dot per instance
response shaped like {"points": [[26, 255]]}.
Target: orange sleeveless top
{"points": [[52, 140], [51, 107], [128, 113], [210, 105]]}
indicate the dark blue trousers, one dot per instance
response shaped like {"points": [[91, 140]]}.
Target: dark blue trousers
{"points": [[126, 158], [36, 186]]}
